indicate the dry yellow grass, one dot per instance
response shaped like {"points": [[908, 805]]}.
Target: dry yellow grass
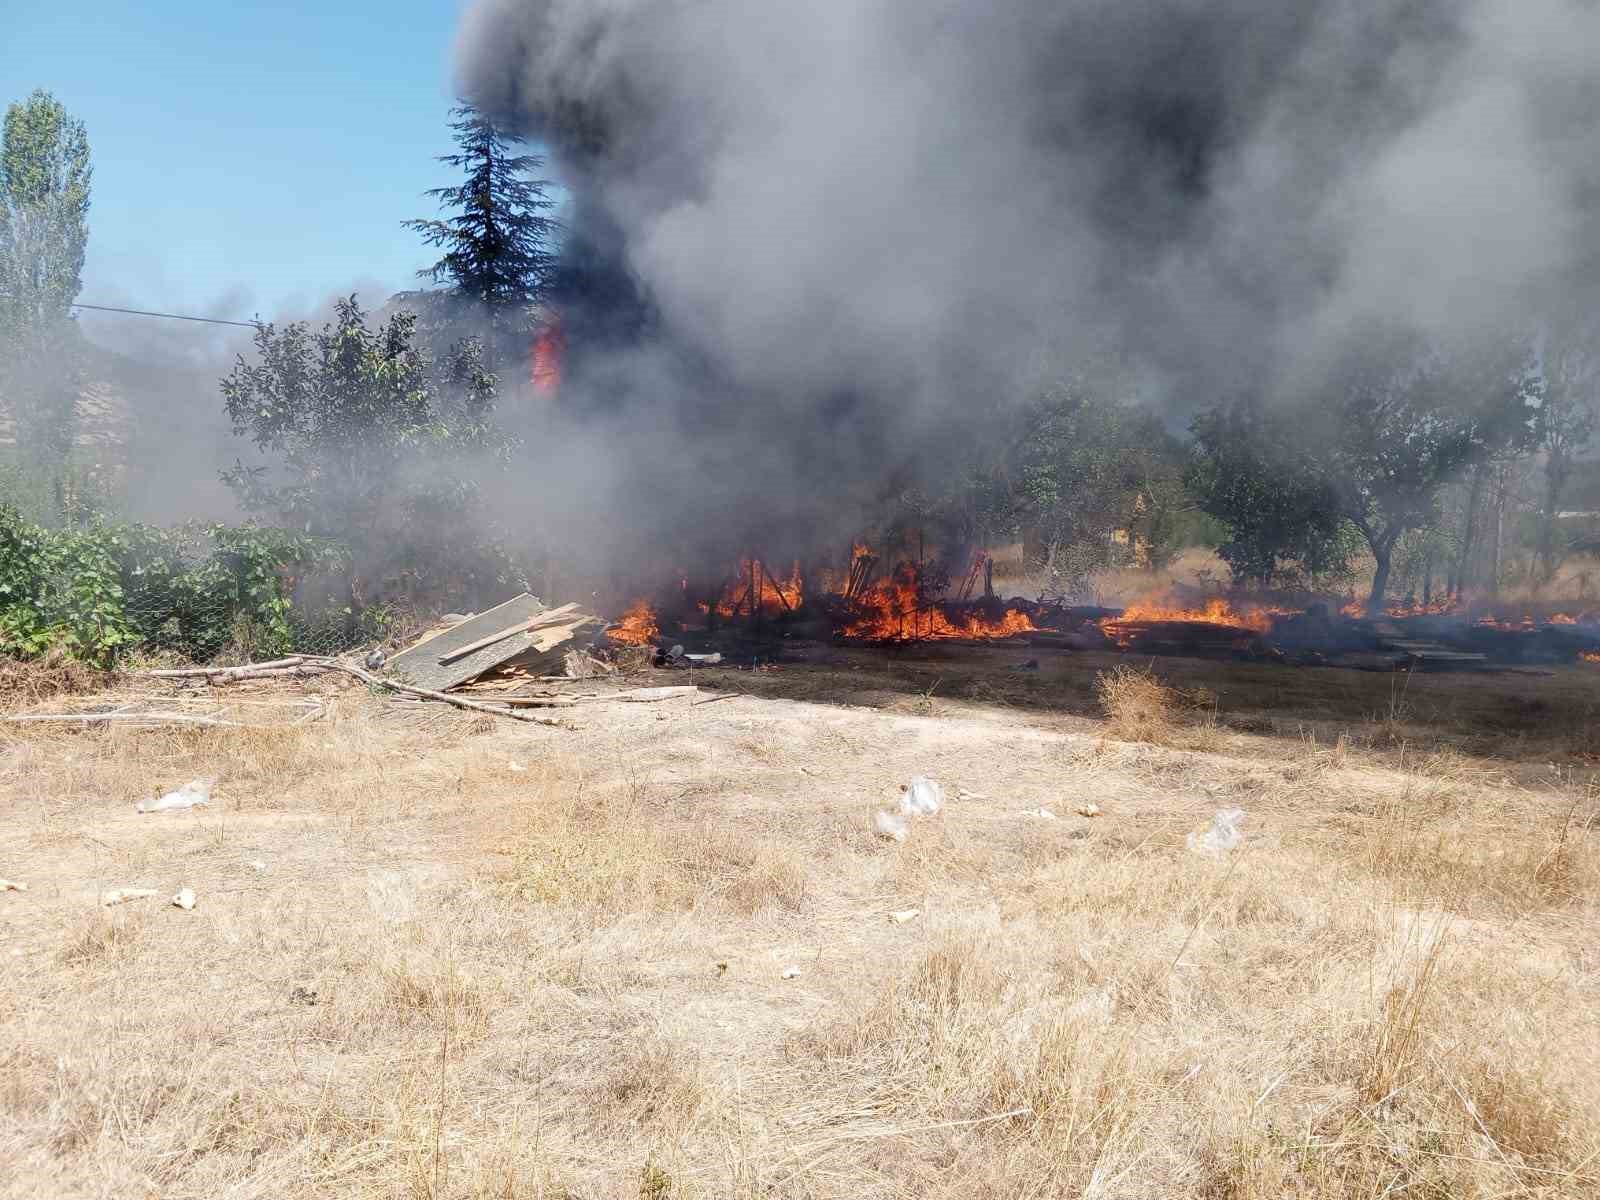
{"points": [[1138, 706], [489, 961]]}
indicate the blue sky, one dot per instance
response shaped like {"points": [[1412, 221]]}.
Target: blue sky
{"points": [[249, 157]]}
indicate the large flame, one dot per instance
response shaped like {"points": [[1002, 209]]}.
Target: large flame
{"points": [[894, 610], [638, 626], [549, 347], [773, 593], [1217, 611]]}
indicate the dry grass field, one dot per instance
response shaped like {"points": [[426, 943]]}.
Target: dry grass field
{"points": [[437, 955]]}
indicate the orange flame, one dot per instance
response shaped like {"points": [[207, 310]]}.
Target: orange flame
{"points": [[1434, 608], [895, 612], [839, 581], [1217, 611], [773, 593], [1525, 625], [638, 626], [1590, 656], [549, 347]]}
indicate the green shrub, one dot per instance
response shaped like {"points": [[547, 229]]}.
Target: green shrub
{"points": [[98, 591]]}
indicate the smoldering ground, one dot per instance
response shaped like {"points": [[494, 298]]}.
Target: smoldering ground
{"points": [[825, 246]]}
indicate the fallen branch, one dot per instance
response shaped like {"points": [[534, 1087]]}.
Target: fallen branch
{"points": [[649, 695], [714, 699], [312, 665], [145, 718], [234, 672], [407, 689]]}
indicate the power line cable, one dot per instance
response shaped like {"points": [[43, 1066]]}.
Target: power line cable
{"points": [[139, 312]]}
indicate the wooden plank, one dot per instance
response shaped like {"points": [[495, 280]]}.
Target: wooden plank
{"points": [[420, 663], [545, 618]]}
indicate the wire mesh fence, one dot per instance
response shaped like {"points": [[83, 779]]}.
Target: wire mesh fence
{"points": [[205, 629]]}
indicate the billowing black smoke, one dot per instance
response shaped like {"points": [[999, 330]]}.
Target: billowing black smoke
{"points": [[814, 247]]}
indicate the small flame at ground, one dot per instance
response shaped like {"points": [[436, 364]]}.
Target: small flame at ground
{"points": [[638, 626], [1590, 656], [1434, 608]]}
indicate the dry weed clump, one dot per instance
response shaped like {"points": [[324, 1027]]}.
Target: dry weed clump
{"points": [[1139, 706], [25, 682]]}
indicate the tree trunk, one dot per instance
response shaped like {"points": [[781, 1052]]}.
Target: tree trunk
{"points": [[1464, 556], [1555, 474], [1427, 580], [1499, 530], [1383, 554]]}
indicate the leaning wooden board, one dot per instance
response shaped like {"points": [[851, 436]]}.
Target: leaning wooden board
{"points": [[420, 664], [552, 617]]}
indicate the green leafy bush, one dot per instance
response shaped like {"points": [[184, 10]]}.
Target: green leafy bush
{"points": [[99, 591]]}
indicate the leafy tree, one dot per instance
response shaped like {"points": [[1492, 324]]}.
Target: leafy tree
{"points": [[1281, 522], [1087, 466], [498, 259], [379, 447], [44, 204], [1373, 446], [1394, 435]]}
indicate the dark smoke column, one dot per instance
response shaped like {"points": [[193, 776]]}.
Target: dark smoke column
{"points": [[815, 249]]}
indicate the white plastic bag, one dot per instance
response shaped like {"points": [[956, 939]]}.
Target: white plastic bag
{"points": [[194, 794], [1222, 836], [888, 825], [922, 798]]}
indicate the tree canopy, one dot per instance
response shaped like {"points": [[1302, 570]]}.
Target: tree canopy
{"points": [[497, 244], [45, 176], [377, 445], [1373, 444]]}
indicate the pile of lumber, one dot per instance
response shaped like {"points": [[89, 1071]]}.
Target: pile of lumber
{"points": [[508, 645], [499, 649]]}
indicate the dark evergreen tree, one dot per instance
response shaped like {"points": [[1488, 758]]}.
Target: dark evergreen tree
{"points": [[498, 244]]}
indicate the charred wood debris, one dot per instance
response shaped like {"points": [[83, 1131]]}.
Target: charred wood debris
{"points": [[524, 655]]}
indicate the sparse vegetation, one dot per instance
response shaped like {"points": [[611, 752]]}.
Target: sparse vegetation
{"points": [[450, 978]]}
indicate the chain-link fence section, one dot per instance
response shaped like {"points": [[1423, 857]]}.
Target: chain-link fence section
{"points": [[204, 629]]}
